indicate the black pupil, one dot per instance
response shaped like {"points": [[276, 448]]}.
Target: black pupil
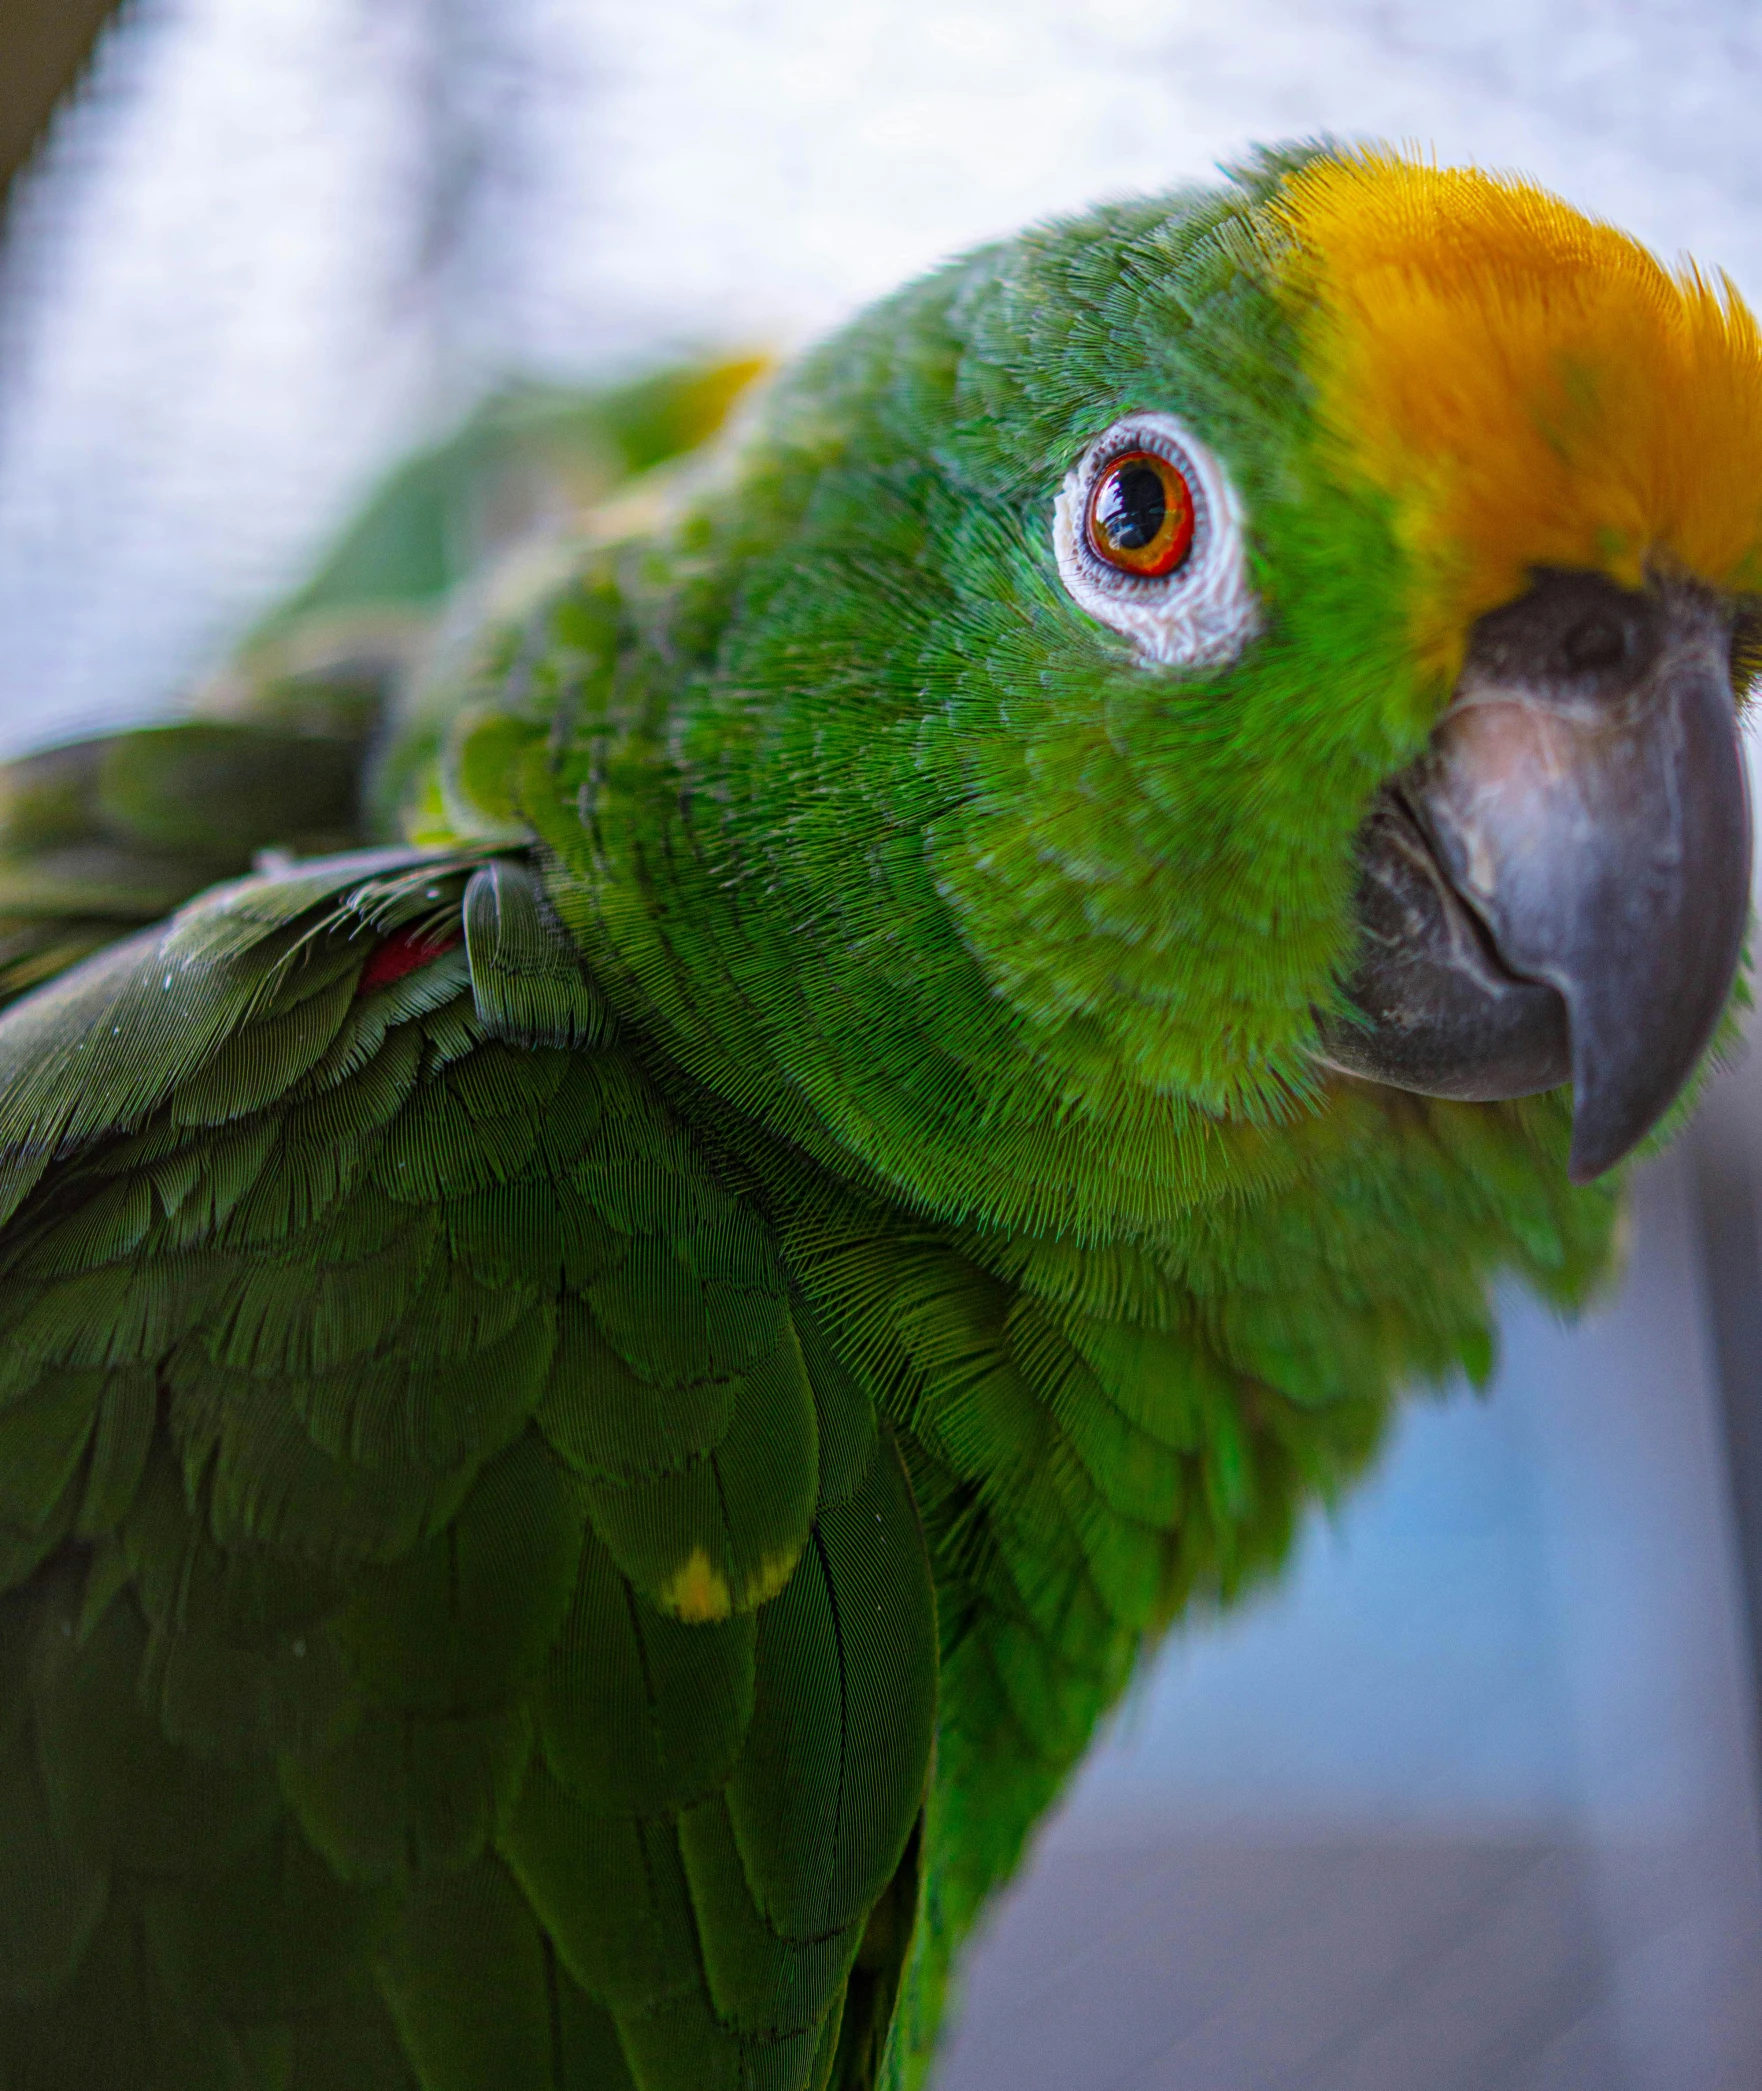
{"points": [[1133, 507]]}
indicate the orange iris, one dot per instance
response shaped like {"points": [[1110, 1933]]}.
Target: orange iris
{"points": [[1141, 515]]}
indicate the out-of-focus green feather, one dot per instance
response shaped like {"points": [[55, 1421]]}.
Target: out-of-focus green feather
{"points": [[98, 838], [526, 454]]}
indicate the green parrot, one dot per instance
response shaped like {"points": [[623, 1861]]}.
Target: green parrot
{"points": [[658, 1209]]}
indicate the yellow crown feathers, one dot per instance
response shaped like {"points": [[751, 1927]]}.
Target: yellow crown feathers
{"points": [[1528, 386]]}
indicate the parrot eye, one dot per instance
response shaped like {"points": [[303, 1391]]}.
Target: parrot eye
{"points": [[1148, 535], [1141, 515]]}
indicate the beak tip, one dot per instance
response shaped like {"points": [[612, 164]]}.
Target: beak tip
{"points": [[1557, 888], [1602, 1138]]}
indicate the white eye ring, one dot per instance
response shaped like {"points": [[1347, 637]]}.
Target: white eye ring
{"points": [[1201, 615]]}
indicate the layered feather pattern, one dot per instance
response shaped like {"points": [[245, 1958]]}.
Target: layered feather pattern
{"points": [[463, 1625]]}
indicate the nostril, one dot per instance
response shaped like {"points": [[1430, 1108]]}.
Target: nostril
{"points": [[1592, 643]]}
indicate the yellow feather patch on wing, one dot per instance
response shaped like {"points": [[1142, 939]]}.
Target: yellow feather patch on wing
{"points": [[772, 1573], [698, 1592], [1528, 386]]}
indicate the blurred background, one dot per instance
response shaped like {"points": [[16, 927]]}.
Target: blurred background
{"points": [[1472, 1799]]}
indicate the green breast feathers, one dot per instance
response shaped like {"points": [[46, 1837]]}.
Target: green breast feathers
{"points": [[607, 1365]]}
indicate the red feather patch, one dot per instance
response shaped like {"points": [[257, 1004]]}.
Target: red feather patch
{"points": [[399, 955]]}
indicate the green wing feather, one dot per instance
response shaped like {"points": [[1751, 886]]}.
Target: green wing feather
{"points": [[462, 1627], [101, 837]]}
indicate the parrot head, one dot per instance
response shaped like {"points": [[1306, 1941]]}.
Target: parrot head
{"points": [[1188, 662], [1567, 439]]}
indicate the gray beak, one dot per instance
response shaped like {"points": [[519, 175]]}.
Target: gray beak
{"points": [[1558, 887]]}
